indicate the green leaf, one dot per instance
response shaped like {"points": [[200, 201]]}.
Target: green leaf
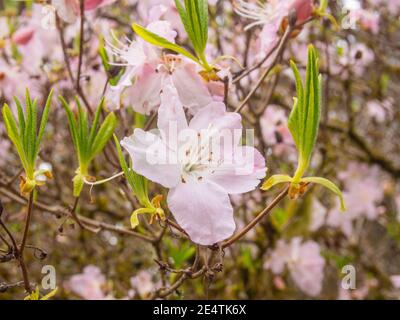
{"points": [[134, 216], [96, 121], [140, 120], [21, 118], [103, 135], [24, 135], [137, 182], [78, 183], [72, 123], [185, 20], [12, 132], [103, 55], [194, 16], [304, 119], [327, 184], [83, 128], [274, 180], [89, 140], [43, 123], [156, 40]]}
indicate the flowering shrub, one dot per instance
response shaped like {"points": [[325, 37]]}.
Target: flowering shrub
{"points": [[190, 148]]}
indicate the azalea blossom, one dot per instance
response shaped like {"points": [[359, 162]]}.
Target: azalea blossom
{"points": [[89, 285], [143, 283], [199, 169], [304, 261], [380, 111], [148, 70], [318, 215], [395, 279], [362, 195], [276, 133], [68, 10], [271, 15], [23, 35]]}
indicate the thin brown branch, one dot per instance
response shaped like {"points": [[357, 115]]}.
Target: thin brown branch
{"points": [[257, 219], [279, 51]]}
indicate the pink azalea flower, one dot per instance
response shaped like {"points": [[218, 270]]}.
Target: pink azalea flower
{"points": [[358, 56], [11, 78], [395, 281], [393, 6], [380, 111], [143, 283], [70, 9], [271, 15], [89, 284], [276, 133], [148, 71], [362, 195], [369, 20], [318, 215], [23, 35], [304, 261], [38, 47], [199, 167]]}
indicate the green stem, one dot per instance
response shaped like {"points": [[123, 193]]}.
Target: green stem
{"points": [[27, 223]]}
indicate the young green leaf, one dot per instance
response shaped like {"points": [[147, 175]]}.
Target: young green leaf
{"points": [[137, 182], [194, 16], [103, 135], [88, 139], [26, 136], [327, 184], [43, 123], [304, 119], [72, 123], [156, 40], [303, 124], [274, 180]]}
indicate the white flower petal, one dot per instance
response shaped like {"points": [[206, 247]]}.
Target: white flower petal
{"points": [[203, 210], [151, 158]]}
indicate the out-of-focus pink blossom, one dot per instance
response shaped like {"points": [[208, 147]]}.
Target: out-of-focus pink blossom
{"points": [[275, 131], [369, 20], [380, 111], [304, 261], [304, 9], [11, 78], [362, 194], [23, 35], [393, 6], [395, 281], [358, 56], [149, 70], [271, 16], [358, 293], [199, 168], [70, 9], [318, 215], [143, 283], [89, 285], [154, 10]]}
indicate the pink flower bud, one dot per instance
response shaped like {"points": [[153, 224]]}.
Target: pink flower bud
{"points": [[88, 5], [303, 8], [93, 4], [23, 35]]}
